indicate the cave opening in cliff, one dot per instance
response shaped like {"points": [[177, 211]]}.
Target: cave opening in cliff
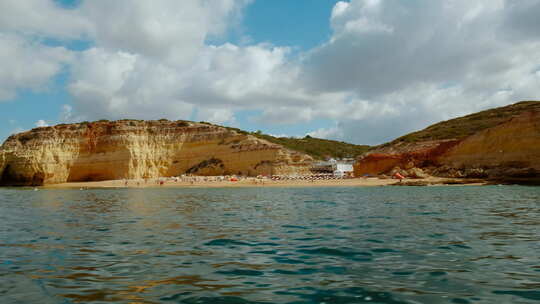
{"points": [[10, 178], [6, 177]]}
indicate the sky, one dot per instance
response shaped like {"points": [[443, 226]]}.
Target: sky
{"points": [[361, 71]]}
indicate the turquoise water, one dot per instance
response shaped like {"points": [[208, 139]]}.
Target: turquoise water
{"points": [[303, 245]]}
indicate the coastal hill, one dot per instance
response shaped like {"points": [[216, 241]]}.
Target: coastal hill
{"points": [[317, 148], [461, 127], [501, 143], [134, 149]]}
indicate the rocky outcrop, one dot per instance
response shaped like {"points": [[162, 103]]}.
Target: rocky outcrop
{"points": [[403, 155], [139, 149], [509, 151]]}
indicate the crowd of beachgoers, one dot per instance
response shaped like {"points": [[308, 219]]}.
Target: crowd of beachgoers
{"points": [[261, 179], [228, 181]]}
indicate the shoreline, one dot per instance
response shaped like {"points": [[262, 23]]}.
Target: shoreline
{"points": [[258, 183]]}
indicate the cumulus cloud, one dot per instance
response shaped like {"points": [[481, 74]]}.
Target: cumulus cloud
{"points": [[42, 19], [41, 123], [172, 30], [327, 133], [170, 33], [409, 64], [26, 64], [151, 61], [119, 84]]}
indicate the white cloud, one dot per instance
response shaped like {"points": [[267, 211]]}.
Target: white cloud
{"points": [[408, 64], [283, 135], [115, 84], [217, 116], [26, 64], [151, 61], [170, 33], [170, 29], [42, 18], [327, 133], [41, 123]]}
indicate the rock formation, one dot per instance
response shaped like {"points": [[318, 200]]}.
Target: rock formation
{"points": [[139, 149], [406, 156], [508, 150]]}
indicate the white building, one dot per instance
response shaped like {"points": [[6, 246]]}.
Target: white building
{"points": [[339, 168], [343, 169]]}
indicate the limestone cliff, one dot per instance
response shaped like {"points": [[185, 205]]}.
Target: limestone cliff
{"points": [[510, 150], [139, 149], [503, 144]]}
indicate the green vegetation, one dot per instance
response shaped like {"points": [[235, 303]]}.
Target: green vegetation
{"points": [[316, 147], [232, 129], [467, 125]]}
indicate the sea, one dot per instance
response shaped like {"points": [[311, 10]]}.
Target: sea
{"points": [[454, 244]]}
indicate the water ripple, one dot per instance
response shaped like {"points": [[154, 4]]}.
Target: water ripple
{"points": [[258, 246]]}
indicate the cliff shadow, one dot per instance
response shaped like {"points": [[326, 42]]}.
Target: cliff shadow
{"points": [[9, 177]]}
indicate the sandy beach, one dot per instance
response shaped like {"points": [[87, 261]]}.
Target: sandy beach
{"points": [[254, 182]]}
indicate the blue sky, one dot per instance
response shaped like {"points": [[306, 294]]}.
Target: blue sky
{"points": [[363, 71]]}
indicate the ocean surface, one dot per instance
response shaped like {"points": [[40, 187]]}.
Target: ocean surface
{"points": [[271, 245]]}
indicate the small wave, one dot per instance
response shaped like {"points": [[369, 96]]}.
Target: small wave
{"points": [[241, 272], [226, 242], [531, 295], [334, 252], [219, 300]]}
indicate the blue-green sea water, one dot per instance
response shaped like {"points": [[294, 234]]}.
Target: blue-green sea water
{"points": [[279, 245]]}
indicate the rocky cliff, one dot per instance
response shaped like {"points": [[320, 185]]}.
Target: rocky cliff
{"points": [[139, 149], [501, 144], [509, 151]]}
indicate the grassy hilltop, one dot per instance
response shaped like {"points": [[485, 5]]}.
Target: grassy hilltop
{"points": [[317, 148], [462, 127]]}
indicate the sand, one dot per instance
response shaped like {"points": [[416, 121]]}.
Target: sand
{"points": [[252, 182]]}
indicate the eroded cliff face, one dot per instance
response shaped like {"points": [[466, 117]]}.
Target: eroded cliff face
{"points": [[403, 155], [509, 151], [139, 149], [2, 163]]}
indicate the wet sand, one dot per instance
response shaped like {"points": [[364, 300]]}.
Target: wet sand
{"points": [[252, 182]]}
